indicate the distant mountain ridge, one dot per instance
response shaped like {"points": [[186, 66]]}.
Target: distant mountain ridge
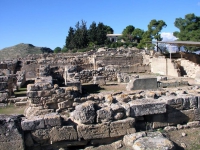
{"points": [[22, 50]]}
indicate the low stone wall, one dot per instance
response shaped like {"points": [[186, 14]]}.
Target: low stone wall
{"points": [[189, 67]]}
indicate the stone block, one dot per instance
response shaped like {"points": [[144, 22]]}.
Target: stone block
{"points": [[33, 123], [63, 133], [122, 127], [45, 93], [11, 136], [197, 114], [85, 113], [146, 107], [104, 115], [65, 104], [52, 120], [142, 84], [100, 80], [152, 143], [41, 136], [174, 103], [97, 131], [131, 138]]}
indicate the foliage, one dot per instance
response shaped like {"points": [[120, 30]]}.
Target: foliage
{"points": [[189, 29], [155, 27], [64, 49], [146, 41], [127, 33], [57, 50], [137, 34], [80, 37]]}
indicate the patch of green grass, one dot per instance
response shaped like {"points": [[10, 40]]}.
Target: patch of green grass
{"points": [[20, 92], [11, 109]]}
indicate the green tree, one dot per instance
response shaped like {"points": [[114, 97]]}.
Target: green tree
{"points": [[64, 49], [127, 33], [155, 27], [92, 33], [70, 43], [146, 41], [137, 34], [101, 34], [109, 30], [189, 29], [57, 50]]}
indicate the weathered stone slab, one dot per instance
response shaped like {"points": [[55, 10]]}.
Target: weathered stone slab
{"points": [[39, 86], [44, 93], [52, 120], [97, 131], [197, 114], [41, 136], [100, 80], [33, 123], [11, 137], [104, 115], [63, 133], [153, 142], [146, 107], [122, 127], [85, 113], [142, 84], [131, 138]]}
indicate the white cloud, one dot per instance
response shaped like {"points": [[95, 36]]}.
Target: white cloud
{"points": [[168, 36], [198, 3]]}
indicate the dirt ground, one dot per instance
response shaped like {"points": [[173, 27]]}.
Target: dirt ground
{"points": [[189, 142]]}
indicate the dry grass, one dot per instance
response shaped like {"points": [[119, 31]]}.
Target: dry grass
{"points": [[11, 109], [191, 140]]}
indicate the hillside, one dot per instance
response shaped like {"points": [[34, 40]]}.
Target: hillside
{"points": [[22, 50]]}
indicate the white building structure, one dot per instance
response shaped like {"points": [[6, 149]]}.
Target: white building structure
{"points": [[113, 37]]}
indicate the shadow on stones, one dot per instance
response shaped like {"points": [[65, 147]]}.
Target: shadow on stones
{"points": [[91, 89]]}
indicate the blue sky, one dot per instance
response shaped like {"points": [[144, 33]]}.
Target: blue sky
{"points": [[46, 22]]}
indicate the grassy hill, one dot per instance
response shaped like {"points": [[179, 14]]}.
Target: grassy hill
{"points": [[22, 50]]}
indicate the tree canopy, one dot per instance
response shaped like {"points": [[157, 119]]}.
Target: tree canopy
{"points": [[189, 29], [80, 37], [155, 27], [57, 50]]}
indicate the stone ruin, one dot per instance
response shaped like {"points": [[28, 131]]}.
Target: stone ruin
{"points": [[60, 116]]}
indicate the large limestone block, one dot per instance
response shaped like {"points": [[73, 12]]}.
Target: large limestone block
{"points": [[131, 138], [142, 84], [122, 127], [97, 131], [44, 93], [197, 114], [63, 133], [118, 111], [146, 107], [39, 86], [41, 136], [33, 123], [11, 136], [100, 80], [104, 115], [85, 113], [3, 97], [153, 143], [52, 120]]}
